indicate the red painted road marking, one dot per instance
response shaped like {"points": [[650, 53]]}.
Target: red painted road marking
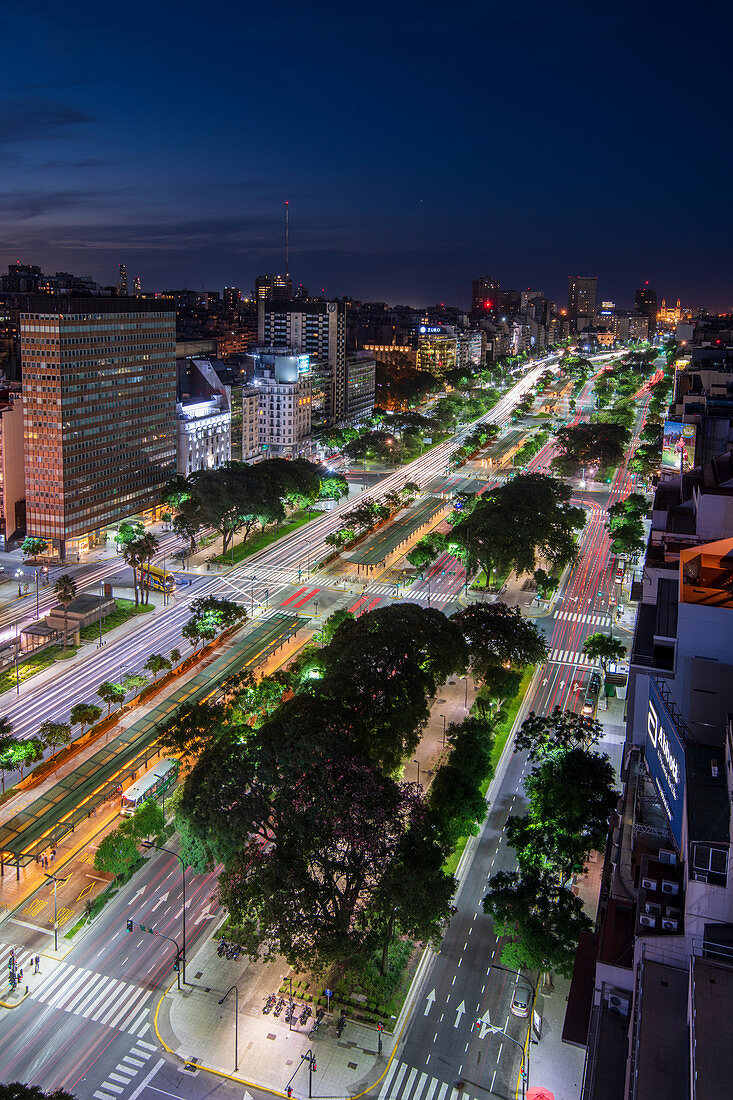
{"points": [[372, 605], [308, 596], [358, 604], [294, 596]]}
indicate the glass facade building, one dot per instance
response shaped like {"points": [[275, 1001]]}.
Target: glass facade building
{"points": [[99, 395]]}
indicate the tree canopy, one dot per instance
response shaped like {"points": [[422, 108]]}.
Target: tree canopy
{"points": [[585, 445], [497, 634]]}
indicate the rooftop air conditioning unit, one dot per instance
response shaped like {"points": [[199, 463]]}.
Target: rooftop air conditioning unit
{"points": [[649, 883], [653, 908], [648, 920], [666, 855], [619, 1005], [670, 887], [669, 925]]}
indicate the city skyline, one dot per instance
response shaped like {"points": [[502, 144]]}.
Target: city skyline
{"points": [[414, 157]]}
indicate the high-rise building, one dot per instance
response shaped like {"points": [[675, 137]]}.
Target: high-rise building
{"points": [[361, 370], [484, 294], [12, 469], [122, 280], [282, 378], [645, 301], [582, 290], [279, 288], [317, 329], [232, 298], [136, 285], [99, 394]]}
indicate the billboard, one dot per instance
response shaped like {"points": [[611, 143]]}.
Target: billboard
{"points": [[665, 761], [678, 446]]}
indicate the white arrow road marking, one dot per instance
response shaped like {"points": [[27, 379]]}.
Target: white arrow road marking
{"points": [[431, 1001], [137, 895], [205, 915], [161, 899], [459, 1013], [484, 1022]]}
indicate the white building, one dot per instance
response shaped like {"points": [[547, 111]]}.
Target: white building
{"points": [[204, 435], [282, 377]]}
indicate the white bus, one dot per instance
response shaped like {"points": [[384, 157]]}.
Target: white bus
{"points": [[157, 780]]}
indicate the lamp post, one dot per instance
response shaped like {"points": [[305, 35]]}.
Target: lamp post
{"points": [[499, 1031], [416, 761], [19, 574], [236, 1022], [150, 844], [38, 613], [443, 717], [100, 643], [55, 880]]}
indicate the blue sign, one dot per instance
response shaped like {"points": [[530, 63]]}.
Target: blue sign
{"points": [[665, 760]]}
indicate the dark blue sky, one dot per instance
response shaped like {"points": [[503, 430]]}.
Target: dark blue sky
{"points": [[418, 144]]}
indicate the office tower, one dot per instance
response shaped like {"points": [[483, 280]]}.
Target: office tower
{"points": [[484, 293], [645, 301], [279, 288], [136, 285], [582, 290], [361, 369], [122, 280], [317, 329], [12, 469], [99, 392], [232, 298]]}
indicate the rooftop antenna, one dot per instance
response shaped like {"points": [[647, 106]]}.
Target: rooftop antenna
{"points": [[287, 238]]}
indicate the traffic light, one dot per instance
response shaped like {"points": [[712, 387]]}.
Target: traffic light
{"points": [[289, 1090], [129, 924], [177, 964], [315, 1065], [380, 1026]]}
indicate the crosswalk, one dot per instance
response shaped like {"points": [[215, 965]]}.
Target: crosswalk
{"points": [[403, 1082], [126, 1069], [569, 657], [97, 997], [590, 619]]}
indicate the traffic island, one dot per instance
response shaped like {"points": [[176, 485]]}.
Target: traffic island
{"points": [[198, 1026]]}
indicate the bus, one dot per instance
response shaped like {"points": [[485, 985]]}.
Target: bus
{"points": [[155, 577], [157, 780]]}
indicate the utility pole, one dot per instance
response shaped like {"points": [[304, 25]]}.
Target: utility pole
{"points": [[55, 880]]}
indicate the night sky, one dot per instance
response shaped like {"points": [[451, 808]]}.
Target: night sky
{"points": [[419, 145]]}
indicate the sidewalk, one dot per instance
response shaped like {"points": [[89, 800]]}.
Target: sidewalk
{"points": [[195, 1027]]}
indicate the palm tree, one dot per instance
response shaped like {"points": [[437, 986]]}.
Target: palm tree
{"points": [[65, 590], [147, 547], [131, 556]]}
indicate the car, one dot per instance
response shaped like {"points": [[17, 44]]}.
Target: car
{"points": [[595, 682], [520, 1001], [620, 574]]}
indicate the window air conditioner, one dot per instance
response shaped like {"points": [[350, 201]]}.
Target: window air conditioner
{"points": [[649, 883], [618, 1005], [648, 920], [670, 887], [666, 855], [669, 925]]}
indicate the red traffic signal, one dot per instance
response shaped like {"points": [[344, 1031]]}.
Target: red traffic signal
{"points": [[289, 1090], [315, 1065]]}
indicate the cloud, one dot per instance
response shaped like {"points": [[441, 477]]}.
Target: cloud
{"points": [[23, 205], [86, 162], [37, 120]]}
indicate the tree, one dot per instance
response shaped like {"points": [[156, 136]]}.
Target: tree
{"points": [[33, 547], [217, 612], [332, 623], [85, 714], [175, 656], [585, 445], [514, 524], [7, 746], [54, 735], [157, 663], [148, 820], [145, 550], [457, 804], [333, 487], [542, 734], [127, 533], [18, 1091], [134, 680], [64, 591], [192, 728], [627, 537], [546, 584], [497, 634], [24, 752], [111, 693], [427, 549], [543, 919], [116, 854]]}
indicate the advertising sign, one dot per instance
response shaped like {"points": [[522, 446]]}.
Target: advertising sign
{"points": [[678, 446], [665, 761]]}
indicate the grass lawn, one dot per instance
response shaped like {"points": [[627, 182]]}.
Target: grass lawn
{"points": [[501, 737], [124, 611], [499, 579], [264, 538], [30, 667]]}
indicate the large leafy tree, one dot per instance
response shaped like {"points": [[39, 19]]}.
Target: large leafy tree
{"points": [[541, 734], [543, 919], [111, 693], [393, 659], [497, 634], [604, 648], [116, 853], [456, 801], [527, 518], [55, 735], [192, 728], [84, 714], [584, 445], [209, 616], [18, 1091]]}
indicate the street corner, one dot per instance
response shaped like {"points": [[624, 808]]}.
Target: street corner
{"points": [[25, 972]]}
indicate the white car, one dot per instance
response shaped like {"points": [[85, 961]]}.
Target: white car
{"points": [[520, 1001]]}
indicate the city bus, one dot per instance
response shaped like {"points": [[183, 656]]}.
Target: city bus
{"points": [[157, 780], [155, 577]]}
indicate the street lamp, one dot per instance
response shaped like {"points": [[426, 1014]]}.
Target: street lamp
{"points": [[443, 717], [55, 880], [236, 1022], [150, 844], [416, 761], [19, 574], [100, 643]]}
